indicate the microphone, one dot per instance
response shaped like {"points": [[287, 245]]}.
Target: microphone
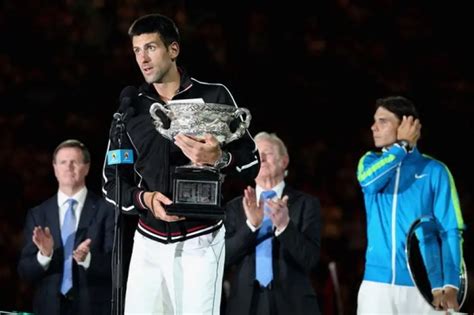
{"points": [[126, 98], [120, 156], [125, 112]]}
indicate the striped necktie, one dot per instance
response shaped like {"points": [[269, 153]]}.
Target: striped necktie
{"points": [[263, 251], [68, 232]]}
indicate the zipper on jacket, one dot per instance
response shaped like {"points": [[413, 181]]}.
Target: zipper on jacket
{"points": [[168, 233], [394, 223]]}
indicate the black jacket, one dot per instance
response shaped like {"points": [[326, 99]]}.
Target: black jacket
{"points": [[156, 157], [295, 257], [92, 288]]}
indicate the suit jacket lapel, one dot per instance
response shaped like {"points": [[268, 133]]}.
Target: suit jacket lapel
{"points": [[87, 215], [52, 220], [289, 191]]}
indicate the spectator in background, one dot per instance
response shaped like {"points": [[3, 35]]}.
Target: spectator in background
{"points": [[291, 226], [400, 185], [68, 242]]}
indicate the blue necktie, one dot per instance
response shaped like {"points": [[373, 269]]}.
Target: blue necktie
{"points": [[68, 232], [263, 252]]}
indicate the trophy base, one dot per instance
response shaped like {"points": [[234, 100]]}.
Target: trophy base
{"points": [[196, 212], [196, 193]]}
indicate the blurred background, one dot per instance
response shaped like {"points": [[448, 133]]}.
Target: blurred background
{"points": [[309, 72]]}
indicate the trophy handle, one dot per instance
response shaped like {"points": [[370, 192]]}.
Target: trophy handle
{"points": [[157, 120], [244, 124]]}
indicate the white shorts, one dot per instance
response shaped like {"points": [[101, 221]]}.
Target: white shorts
{"points": [[383, 298], [178, 278]]}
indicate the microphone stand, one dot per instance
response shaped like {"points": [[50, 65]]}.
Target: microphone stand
{"points": [[117, 252]]}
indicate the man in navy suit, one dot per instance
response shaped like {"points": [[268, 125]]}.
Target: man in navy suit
{"points": [[42, 261], [293, 234]]}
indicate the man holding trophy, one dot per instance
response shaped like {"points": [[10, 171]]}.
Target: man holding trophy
{"points": [[183, 137]]}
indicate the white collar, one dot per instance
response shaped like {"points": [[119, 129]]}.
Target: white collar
{"points": [[80, 196], [278, 189]]}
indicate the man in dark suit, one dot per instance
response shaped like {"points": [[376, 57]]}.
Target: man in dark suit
{"points": [[74, 278], [293, 236]]}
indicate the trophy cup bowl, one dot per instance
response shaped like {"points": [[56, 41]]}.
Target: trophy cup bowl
{"points": [[197, 189], [196, 119]]}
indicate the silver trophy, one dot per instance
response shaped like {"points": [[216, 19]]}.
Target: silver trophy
{"points": [[197, 189]]}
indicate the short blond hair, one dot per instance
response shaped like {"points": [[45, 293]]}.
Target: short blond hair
{"points": [[272, 137]]}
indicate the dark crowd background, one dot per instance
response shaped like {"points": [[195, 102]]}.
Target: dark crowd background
{"points": [[309, 72]]}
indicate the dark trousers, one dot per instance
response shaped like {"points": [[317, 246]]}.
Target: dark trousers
{"points": [[263, 300], [67, 305]]}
